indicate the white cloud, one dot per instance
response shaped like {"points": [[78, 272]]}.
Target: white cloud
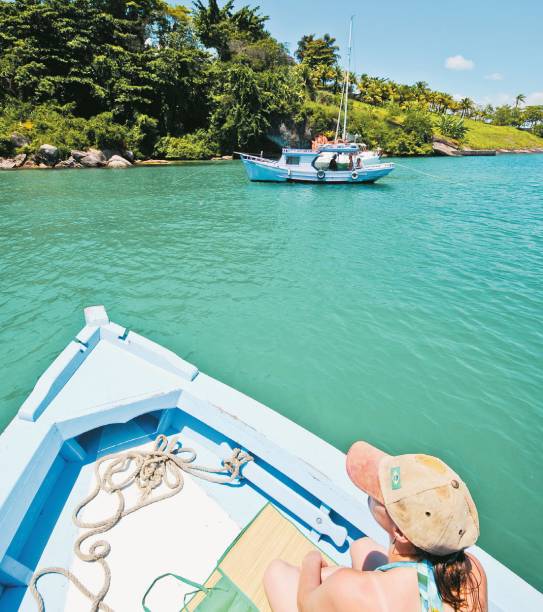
{"points": [[498, 99], [534, 98], [459, 62], [494, 76]]}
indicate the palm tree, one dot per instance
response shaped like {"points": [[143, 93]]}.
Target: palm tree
{"points": [[519, 100], [488, 113], [466, 107], [421, 91]]}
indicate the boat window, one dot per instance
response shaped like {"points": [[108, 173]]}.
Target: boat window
{"points": [[293, 160]]}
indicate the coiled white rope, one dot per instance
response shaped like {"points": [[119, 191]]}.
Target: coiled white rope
{"points": [[164, 464]]}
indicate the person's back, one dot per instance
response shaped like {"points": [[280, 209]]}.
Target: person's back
{"points": [[430, 519]]}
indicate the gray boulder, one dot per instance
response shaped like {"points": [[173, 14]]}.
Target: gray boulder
{"points": [[98, 153], [116, 161], [69, 163], [19, 160], [18, 140], [47, 154], [78, 155], [12, 162], [7, 163], [91, 160], [109, 153]]}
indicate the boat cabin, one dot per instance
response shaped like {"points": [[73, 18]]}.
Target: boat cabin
{"points": [[348, 156]]}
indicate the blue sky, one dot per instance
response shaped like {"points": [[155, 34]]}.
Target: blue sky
{"points": [[496, 46]]}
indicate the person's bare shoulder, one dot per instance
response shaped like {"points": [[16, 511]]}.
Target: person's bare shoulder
{"points": [[478, 601], [367, 555]]}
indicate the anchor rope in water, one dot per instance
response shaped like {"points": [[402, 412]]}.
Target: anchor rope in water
{"points": [[434, 176], [164, 464]]}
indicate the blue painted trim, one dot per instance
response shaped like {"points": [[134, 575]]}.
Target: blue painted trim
{"points": [[72, 451], [13, 573]]}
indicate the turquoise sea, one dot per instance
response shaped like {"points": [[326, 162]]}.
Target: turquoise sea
{"points": [[408, 313]]}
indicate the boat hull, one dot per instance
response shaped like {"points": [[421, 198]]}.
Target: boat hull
{"points": [[260, 171]]}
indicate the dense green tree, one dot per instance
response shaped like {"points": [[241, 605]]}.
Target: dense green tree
{"points": [[265, 54], [453, 127], [508, 115], [218, 27], [246, 103], [102, 55], [239, 116], [533, 115], [321, 56]]}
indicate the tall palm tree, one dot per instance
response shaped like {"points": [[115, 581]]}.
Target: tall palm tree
{"points": [[466, 107], [519, 100]]}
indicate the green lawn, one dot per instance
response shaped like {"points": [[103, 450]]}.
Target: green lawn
{"points": [[484, 136], [480, 135]]}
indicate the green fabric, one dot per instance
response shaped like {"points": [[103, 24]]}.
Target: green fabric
{"points": [[225, 596]]}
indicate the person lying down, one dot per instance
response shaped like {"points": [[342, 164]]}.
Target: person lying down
{"points": [[430, 518]]}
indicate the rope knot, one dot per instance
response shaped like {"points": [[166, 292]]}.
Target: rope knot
{"points": [[234, 464]]}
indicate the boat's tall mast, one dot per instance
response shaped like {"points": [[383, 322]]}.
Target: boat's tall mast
{"points": [[338, 122], [347, 77]]}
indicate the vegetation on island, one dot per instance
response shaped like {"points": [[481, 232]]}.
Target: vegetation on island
{"points": [[196, 82]]}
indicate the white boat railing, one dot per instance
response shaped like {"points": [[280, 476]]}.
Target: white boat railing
{"points": [[290, 150], [257, 158]]}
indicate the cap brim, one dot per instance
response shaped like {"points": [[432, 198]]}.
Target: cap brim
{"points": [[363, 468]]}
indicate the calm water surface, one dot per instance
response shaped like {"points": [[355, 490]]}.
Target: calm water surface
{"points": [[408, 313]]}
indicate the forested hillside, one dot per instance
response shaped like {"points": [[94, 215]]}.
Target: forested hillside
{"points": [[198, 81]]}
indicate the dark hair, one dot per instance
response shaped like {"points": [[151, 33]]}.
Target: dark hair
{"points": [[455, 580]]}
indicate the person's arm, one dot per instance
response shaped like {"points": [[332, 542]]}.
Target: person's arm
{"points": [[310, 580], [345, 590]]}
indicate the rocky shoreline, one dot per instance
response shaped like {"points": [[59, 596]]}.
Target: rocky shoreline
{"points": [[48, 156]]}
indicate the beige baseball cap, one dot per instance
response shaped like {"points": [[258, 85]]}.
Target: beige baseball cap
{"points": [[423, 496]]}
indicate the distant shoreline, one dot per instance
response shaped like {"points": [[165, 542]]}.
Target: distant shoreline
{"points": [[149, 163]]}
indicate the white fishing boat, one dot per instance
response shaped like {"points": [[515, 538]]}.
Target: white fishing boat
{"points": [[337, 162], [313, 166], [274, 490]]}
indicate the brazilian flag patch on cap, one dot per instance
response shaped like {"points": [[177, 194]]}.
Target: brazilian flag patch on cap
{"points": [[395, 481]]}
